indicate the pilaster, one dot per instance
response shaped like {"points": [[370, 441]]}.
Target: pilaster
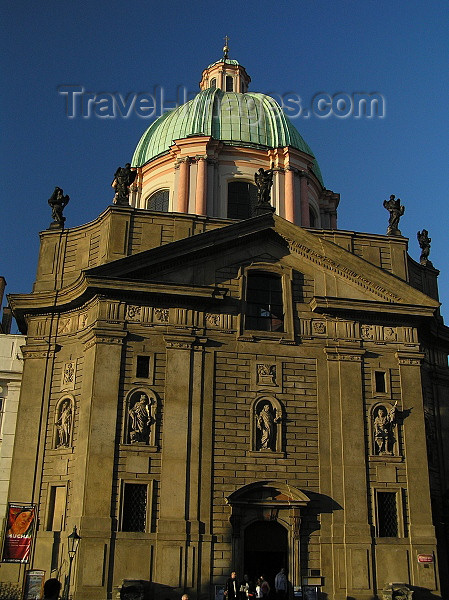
{"points": [[93, 474], [350, 532], [184, 517]]}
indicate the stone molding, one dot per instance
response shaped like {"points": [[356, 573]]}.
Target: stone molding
{"points": [[344, 272]]}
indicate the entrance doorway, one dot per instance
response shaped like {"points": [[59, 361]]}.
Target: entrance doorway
{"points": [[265, 550]]}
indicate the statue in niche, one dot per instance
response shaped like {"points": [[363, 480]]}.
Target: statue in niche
{"points": [[266, 421], [64, 425], [58, 202], [124, 177], [384, 423], [396, 211], [140, 420], [424, 243]]}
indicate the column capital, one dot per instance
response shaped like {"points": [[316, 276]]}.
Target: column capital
{"points": [[411, 359], [39, 350], [344, 354], [102, 336]]}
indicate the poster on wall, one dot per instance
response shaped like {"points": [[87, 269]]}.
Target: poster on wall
{"points": [[20, 519], [34, 583]]}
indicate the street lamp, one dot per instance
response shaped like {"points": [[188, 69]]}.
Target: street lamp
{"points": [[72, 546]]}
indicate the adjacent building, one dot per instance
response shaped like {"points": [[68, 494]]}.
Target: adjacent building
{"points": [[210, 385]]}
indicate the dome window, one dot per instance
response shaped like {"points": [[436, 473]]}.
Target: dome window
{"points": [[159, 201], [242, 198], [213, 82], [229, 83], [313, 221]]}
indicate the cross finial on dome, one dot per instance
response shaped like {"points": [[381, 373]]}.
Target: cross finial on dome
{"points": [[226, 48]]}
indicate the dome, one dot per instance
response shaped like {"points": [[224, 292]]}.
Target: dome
{"points": [[250, 119]]}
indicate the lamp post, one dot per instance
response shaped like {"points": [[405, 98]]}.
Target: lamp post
{"points": [[72, 546]]}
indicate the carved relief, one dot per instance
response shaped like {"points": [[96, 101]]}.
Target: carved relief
{"points": [[68, 375], [64, 326], [390, 334], [384, 424], [161, 314], [141, 407], [133, 313], [82, 320], [266, 374], [64, 414], [367, 332], [212, 319], [319, 327]]}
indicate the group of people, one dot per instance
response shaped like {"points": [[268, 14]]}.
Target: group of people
{"points": [[260, 589]]}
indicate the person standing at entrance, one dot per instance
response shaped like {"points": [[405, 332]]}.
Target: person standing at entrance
{"points": [[280, 583], [265, 587], [231, 587]]}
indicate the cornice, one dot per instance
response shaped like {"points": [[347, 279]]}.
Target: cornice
{"points": [[321, 304], [341, 270]]}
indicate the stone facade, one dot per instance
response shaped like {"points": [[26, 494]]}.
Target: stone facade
{"points": [[184, 441]]}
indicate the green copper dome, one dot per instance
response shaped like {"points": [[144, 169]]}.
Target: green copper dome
{"points": [[247, 119]]}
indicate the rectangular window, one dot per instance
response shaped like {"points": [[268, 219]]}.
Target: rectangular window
{"points": [[134, 510], [264, 304], [379, 377], [143, 367], [56, 508], [387, 514]]}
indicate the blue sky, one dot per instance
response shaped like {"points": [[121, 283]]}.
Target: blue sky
{"points": [[397, 49]]}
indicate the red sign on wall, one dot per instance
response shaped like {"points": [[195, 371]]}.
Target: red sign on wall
{"points": [[425, 558]]}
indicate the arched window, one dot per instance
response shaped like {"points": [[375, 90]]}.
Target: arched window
{"points": [[229, 83], [159, 201], [312, 217], [213, 82], [242, 198], [264, 305]]}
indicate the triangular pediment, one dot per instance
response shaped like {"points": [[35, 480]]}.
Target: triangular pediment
{"points": [[215, 257]]}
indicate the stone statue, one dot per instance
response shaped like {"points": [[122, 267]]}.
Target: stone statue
{"points": [[384, 423], [124, 177], [424, 243], [140, 417], [266, 423], [264, 181], [64, 425], [396, 211], [58, 202]]}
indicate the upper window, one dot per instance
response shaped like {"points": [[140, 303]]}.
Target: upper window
{"points": [[387, 515], [159, 201], [242, 198], [229, 83], [312, 217], [264, 306], [213, 82], [134, 508]]}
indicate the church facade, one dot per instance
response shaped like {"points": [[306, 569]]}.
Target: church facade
{"points": [[211, 386]]}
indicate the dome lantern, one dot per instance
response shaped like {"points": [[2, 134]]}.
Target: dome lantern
{"points": [[225, 74]]}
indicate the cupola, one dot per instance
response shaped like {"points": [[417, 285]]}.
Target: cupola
{"points": [[226, 75]]}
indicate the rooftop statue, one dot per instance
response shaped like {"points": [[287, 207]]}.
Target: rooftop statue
{"points": [[424, 243], [124, 177], [396, 211], [58, 202], [264, 181]]}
